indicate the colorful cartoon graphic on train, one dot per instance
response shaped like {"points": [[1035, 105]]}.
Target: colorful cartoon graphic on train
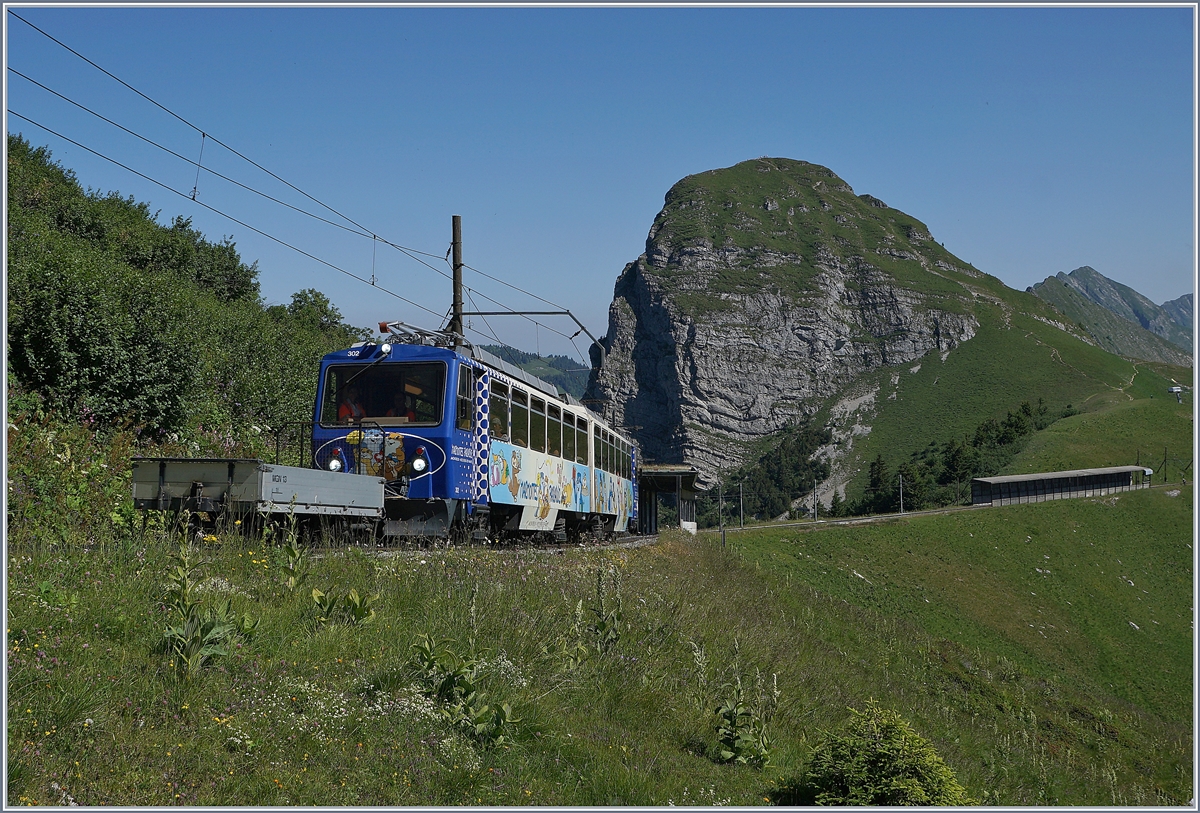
{"points": [[525, 477]]}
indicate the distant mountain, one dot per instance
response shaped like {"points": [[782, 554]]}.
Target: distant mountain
{"points": [[1122, 301], [1181, 310], [562, 371], [1114, 316]]}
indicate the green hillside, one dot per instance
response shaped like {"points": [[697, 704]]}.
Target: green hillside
{"points": [[564, 372], [1116, 333], [784, 221], [116, 318], [1010, 638], [1075, 613], [1002, 366]]}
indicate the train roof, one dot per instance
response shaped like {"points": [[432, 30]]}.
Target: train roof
{"points": [[515, 372]]}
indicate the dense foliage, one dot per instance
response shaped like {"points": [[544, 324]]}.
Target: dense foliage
{"points": [[126, 336], [117, 319], [769, 484]]}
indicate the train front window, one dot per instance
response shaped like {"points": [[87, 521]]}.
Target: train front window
{"points": [[386, 394]]}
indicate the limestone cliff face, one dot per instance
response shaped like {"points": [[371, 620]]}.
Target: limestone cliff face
{"points": [[766, 288]]}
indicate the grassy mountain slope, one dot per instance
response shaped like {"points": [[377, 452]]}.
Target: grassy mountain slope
{"points": [[779, 217], [1124, 302], [1003, 365], [561, 371], [1115, 333], [1144, 430], [1034, 686], [1087, 599]]}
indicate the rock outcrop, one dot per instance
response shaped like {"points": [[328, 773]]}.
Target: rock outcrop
{"points": [[1181, 310], [766, 288]]}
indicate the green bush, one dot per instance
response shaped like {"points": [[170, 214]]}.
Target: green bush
{"points": [[877, 760], [119, 320]]}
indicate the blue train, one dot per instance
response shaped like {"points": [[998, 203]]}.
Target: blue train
{"points": [[469, 447]]}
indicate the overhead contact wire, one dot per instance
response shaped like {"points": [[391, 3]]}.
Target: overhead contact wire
{"points": [[185, 159], [222, 214], [366, 232]]}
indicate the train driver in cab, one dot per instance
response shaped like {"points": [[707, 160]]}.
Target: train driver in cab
{"points": [[401, 407], [351, 409]]}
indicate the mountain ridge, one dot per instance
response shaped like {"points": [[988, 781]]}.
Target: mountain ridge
{"points": [[1118, 318]]}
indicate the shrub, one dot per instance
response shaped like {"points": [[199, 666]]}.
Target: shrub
{"points": [[877, 760]]}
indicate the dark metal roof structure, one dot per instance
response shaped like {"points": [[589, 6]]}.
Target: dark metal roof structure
{"points": [[1057, 475]]}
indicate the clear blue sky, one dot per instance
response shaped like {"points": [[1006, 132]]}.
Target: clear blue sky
{"points": [[1029, 140]]}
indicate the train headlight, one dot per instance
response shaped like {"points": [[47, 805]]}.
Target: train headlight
{"points": [[385, 349], [335, 464], [419, 465]]}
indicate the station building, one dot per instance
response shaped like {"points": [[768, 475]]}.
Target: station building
{"points": [[1058, 485]]}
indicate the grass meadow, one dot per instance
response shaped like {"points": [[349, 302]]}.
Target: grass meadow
{"points": [[1010, 638]]}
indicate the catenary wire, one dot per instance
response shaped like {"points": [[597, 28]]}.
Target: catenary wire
{"points": [[365, 232], [210, 136], [196, 164], [409, 252], [223, 214], [185, 121], [400, 248]]}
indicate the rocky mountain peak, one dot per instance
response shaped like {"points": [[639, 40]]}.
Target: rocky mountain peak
{"points": [[765, 288]]}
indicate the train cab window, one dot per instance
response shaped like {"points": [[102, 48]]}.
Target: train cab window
{"points": [[520, 418], [553, 430], [386, 394], [498, 410], [537, 424], [465, 414], [568, 451]]}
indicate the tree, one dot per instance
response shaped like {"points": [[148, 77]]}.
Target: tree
{"points": [[314, 308], [878, 759], [837, 507]]}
